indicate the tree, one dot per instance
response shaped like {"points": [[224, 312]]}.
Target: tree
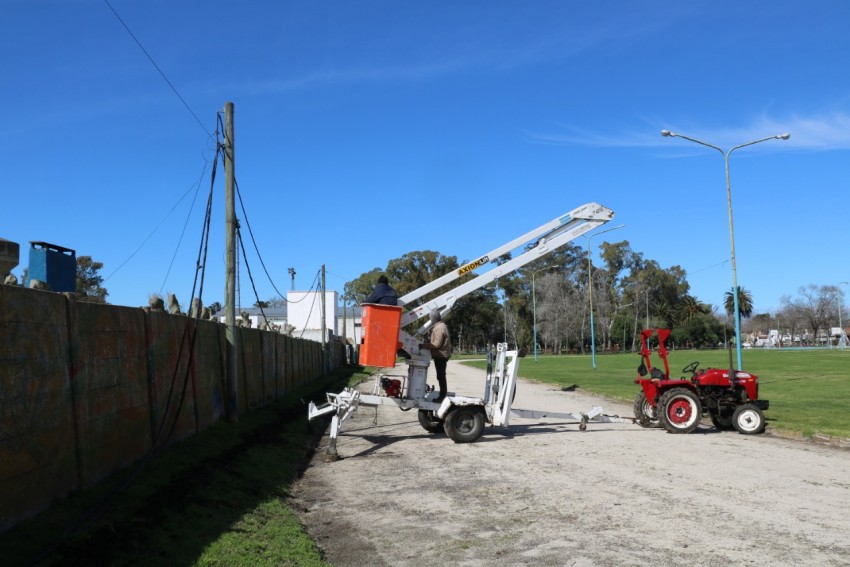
{"points": [[89, 281], [415, 269], [745, 302], [359, 288], [815, 305]]}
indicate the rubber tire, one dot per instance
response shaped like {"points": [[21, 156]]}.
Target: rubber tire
{"points": [[464, 424], [645, 414], [679, 410], [724, 421], [429, 421], [748, 419]]}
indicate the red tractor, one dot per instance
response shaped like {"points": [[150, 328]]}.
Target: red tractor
{"points": [[679, 404]]}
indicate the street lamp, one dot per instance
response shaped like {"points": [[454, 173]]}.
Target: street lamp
{"points": [[842, 336], [590, 291], [534, 307], [668, 133]]}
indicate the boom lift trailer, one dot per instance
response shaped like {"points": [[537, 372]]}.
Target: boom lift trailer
{"points": [[462, 417]]}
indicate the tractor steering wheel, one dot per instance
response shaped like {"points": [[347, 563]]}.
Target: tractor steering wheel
{"points": [[691, 368]]}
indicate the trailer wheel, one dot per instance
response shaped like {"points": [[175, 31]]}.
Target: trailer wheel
{"points": [[679, 410], [429, 421], [748, 419], [645, 414], [464, 424]]}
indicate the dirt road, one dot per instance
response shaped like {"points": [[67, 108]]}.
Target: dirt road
{"points": [[544, 493]]}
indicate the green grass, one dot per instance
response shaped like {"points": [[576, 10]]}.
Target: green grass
{"points": [[218, 498], [809, 391]]}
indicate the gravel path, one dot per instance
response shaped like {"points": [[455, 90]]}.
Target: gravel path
{"points": [[543, 493]]}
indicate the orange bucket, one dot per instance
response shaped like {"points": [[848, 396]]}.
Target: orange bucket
{"points": [[379, 344]]}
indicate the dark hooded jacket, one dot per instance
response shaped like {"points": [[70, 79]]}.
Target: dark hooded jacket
{"points": [[383, 294]]}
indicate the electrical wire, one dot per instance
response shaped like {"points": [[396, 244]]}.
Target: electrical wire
{"points": [[162, 74], [312, 305], [186, 222], [197, 186], [158, 443], [250, 276], [256, 248]]}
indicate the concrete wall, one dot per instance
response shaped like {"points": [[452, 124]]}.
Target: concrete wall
{"points": [[87, 389]]}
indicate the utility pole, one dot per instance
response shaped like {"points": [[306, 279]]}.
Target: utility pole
{"points": [[324, 328], [292, 275], [230, 224]]}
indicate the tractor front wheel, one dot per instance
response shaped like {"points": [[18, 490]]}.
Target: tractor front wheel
{"points": [[644, 412], [464, 424], [679, 410], [748, 419]]}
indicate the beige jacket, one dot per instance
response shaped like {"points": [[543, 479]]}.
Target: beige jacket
{"points": [[440, 342]]}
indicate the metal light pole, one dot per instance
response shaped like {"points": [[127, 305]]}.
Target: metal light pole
{"points": [[590, 291], [534, 307], [842, 336], [668, 133]]}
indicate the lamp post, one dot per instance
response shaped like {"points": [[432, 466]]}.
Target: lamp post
{"points": [[623, 348], [842, 336], [587, 237], [668, 133], [534, 307]]}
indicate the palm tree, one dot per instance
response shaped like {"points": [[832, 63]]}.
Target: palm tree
{"points": [[745, 302], [691, 307]]}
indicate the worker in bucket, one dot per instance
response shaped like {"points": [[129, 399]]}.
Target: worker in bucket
{"points": [[440, 345], [383, 293]]}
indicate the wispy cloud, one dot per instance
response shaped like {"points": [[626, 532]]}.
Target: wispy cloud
{"points": [[827, 131], [482, 47]]}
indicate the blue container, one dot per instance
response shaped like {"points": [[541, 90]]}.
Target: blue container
{"points": [[54, 265]]}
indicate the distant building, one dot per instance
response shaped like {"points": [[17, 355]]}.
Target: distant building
{"points": [[306, 322]]}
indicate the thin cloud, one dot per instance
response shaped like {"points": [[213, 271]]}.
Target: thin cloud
{"points": [[818, 132], [472, 51]]}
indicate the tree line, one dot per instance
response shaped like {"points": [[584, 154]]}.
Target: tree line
{"points": [[550, 300], [553, 295]]}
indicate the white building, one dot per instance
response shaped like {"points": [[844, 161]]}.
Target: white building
{"points": [[305, 314]]}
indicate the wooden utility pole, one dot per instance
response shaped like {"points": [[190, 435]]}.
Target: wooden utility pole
{"points": [[230, 224], [324, 328]]}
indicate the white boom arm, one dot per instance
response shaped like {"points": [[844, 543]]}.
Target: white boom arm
{"points": [[538, 243]]}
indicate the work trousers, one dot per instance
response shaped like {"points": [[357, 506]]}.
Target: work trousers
{"points": [[440, 366]]}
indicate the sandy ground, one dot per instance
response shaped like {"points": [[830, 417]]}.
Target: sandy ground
{"points": [[541, 492]]}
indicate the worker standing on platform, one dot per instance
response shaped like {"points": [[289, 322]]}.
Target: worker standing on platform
{"points": [[440, 345], [383, 294]]}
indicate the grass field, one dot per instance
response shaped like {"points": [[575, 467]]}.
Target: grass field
{"points": [[809, 391]]}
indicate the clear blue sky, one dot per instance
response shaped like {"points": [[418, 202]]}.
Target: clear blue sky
{"points": [[366, 130]]}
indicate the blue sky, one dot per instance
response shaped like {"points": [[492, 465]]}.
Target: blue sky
{"points": [[366, 130]]}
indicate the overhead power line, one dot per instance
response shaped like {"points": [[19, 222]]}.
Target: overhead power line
{"points": [[162, 74]]}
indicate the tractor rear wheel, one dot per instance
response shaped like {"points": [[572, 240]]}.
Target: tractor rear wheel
{"points": [[679, 410], [644, 413], [464, 424], [748, 419], [429, 421]]}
